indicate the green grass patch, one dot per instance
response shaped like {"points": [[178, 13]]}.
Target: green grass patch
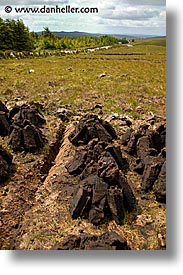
{"points": [[153, 41], [74, 80]]}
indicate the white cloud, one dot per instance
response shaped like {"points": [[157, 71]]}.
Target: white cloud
{"points": [[31, 2], [131, 13], [145, 2], [114, 15]]}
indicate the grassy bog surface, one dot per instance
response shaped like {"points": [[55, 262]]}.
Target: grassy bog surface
{"points": [[121, 78]]}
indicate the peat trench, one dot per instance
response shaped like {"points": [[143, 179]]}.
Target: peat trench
{"points": [[103, 191]]}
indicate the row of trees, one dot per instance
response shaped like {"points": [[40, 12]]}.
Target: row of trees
{"points": [[14, 35], [49, 40]]}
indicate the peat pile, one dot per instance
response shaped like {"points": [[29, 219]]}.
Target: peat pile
{"points": [[148, 146], [103, 191], [5, 163], [25, 129], [22, 124], [4, 120], [106, 241]]}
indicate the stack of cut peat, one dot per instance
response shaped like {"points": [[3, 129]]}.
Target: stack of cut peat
{"points": [[5, 163], [22, 124], [148, 147], [25, 129], [103, 190]]}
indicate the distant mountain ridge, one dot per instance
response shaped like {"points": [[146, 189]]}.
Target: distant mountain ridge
{"points": [[82, 34], [73, 34], [76, 34]]}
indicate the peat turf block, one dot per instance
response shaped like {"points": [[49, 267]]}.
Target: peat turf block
{"points": [[27, 137], [160, 185], [91, 127], [106, 241], [5, 163], [25, 129], [27, 112], [4, 120], [148, 147], [4, 124]]}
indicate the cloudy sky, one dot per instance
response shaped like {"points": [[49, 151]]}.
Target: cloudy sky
{"points": [[114, 16]]}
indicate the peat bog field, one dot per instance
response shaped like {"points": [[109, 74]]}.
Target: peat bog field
{"points": [[46, 97]]}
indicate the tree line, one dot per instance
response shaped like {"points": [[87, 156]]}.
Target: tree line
{"points": [[14, 35]]}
